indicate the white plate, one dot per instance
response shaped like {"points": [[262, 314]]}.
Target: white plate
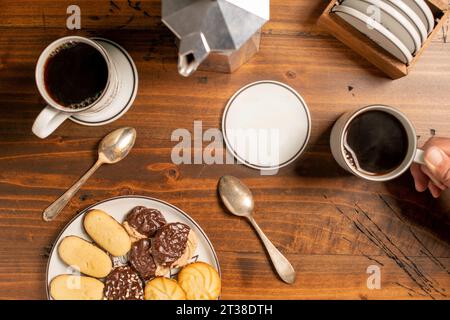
{"points": [[412, 17], [391, 19], [118, 208], [128, 87], [266, 125], [423, 11], [379, 34]]}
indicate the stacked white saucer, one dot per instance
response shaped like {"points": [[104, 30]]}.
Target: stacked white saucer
{"points": [[401, 27]]}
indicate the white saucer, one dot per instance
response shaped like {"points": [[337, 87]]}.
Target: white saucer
{"points": [[276, 115], [379, 34], [391, 19], [412, 17], [423, 11], [127, 88]]}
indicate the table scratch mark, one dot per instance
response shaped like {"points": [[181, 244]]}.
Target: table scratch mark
{"points": [[409, 289], [201, 171], [113, 5], [346, 239], [373, 232], [371, 258], [135, 5], [424, 249], [445, 32], [130, 19], [409, 266]]}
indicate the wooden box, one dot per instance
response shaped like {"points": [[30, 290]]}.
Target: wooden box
{"points": [[359, 43]]}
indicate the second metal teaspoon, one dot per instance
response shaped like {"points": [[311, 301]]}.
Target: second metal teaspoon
{"points": [[239, 200], [113, 148]]}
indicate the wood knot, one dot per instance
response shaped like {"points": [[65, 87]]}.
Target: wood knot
{"points": [[84, 197], [172, 173], [46, 251], [202, 80], [291, 75]]}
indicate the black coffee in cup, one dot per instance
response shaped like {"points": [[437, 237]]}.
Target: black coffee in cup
{"points": [[75, 75], [376, 142]]}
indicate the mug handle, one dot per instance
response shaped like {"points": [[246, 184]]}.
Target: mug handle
{"points": [[419, 157], [47, 121]]}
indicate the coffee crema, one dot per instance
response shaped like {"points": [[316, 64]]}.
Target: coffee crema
{"points": [[75, 75], [376, 143]]}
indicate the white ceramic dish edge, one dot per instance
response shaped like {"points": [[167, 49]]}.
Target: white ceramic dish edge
{"points": [[378, 27], [251, 165], [393, 21]]}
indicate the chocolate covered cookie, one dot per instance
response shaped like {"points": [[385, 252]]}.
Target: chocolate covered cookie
{"points": [[123, 283], [142, 222], [141, 259], [173, 245]]}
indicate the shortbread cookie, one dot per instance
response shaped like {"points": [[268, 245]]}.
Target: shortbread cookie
{"points": [[123, 283], [73, 287], [162, 288], [141, 259], [142, 222], [200, 281], [107, 232], [84, 257], [173, 245]]}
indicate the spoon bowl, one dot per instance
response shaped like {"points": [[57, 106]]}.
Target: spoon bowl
{"points": [[116, 145], [236, 196]]}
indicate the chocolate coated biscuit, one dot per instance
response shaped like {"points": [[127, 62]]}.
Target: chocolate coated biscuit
{"points": [[141, 259], [142, 222], [123, 283]]}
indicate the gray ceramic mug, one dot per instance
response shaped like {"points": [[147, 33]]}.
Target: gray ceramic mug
{"points": [[337, 143]]}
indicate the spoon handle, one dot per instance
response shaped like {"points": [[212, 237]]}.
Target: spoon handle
{"points": [[281, 264], [56, 207]]}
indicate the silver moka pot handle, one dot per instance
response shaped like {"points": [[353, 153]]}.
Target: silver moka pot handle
{"points": [[193, 51]]}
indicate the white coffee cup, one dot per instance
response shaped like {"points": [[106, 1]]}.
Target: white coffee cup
{"points": [[55, 114], [337, 143]]}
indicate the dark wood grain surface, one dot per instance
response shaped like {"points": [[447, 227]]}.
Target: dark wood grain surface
{"points": [[331, 225]]}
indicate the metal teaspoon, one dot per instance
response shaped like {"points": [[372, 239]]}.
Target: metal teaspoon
{"points": [[113, 148], [239, 200]]}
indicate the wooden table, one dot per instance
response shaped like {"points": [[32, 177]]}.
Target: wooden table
{"points": [[331, 225]]}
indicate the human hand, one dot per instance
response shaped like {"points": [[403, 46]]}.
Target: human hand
{"points": [[435, 175]]}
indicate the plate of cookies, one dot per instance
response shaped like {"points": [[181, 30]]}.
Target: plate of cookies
{"points": [[133, 248]]}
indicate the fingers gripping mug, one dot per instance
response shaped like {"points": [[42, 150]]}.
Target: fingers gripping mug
{"points": [[74, 75], [376, 143]]}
